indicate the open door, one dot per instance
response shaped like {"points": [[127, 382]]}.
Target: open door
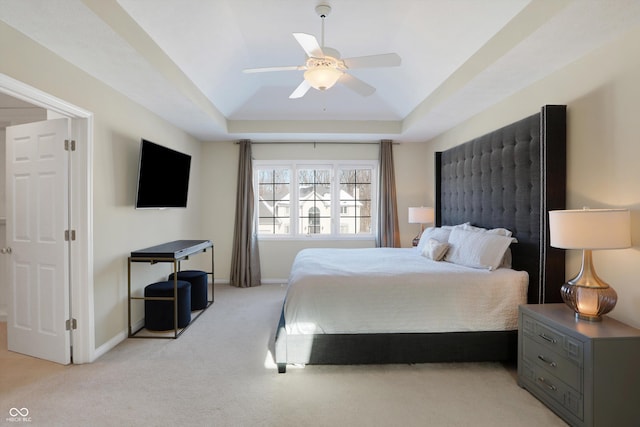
{"points": [[38, 254]]}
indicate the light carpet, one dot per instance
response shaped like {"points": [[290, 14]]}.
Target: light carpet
{"points": [[220, 373]]}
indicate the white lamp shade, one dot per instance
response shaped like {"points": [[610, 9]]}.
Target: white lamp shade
{"points": [[322, 77], [590, 229], [421, 215]]}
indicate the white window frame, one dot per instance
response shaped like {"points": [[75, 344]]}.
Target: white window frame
{"points": [[335, 166]]}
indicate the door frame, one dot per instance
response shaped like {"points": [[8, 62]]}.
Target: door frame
{"points": [[80, 209]]}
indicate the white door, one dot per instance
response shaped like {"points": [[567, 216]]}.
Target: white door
{"points": [[37, 217]]}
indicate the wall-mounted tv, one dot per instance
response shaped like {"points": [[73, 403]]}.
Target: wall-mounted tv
{"points": [[163, 177]]}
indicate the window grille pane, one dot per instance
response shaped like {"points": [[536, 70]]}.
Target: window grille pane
{"points": [[274, 201], [355, 201], [314, 201]]}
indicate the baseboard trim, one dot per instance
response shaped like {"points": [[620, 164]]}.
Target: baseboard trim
{"points": [[263, 281], [109, 345], [274, 281]]}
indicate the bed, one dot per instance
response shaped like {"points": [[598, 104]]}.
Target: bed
{"points": [[507, 179]]}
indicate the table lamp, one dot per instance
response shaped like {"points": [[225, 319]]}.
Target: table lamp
{"points": [[420, 216], [588, 295]]}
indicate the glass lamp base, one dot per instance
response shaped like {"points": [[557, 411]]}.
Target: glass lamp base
{"points": [[589, 303]]}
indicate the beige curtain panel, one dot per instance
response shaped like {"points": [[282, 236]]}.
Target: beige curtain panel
{"points": [[388, 235], [245, 258]]}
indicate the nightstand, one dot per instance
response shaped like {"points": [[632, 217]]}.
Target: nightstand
{"points": [[586, 372]]}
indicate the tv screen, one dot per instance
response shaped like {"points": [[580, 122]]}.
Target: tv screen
{"points": [[163, 177]]}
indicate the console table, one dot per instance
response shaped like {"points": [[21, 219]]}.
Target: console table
{"points": [[170, 252]]}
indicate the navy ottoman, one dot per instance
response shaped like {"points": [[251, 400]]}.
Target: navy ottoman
{"points": [[199, 287], [158, 315]]}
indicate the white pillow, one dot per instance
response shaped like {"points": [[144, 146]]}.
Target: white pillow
{"points": [[506, 259], [435, 250], [498, 231], [440, 234], [477, 250]]}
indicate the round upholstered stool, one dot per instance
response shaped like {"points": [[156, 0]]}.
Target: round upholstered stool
{"points": [[158, 314], [199, 288]]}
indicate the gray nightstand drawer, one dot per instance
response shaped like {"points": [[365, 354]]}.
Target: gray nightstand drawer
{"points": [[553, 362], [552, 387], [553, 339]]}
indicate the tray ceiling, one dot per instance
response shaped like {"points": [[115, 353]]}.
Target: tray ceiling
{"points": [[183, 59]]}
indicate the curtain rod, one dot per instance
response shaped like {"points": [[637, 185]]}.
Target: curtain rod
{"points": [[314, 143]]}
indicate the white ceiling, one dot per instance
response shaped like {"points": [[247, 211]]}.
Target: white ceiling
{"points": [[183, 59]]}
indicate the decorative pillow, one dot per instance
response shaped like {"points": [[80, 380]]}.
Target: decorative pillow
{"points": [[477, 250], [435, 250], [440, 234]]}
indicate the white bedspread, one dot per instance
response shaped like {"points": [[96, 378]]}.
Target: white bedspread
{"points": [[391, 290]]}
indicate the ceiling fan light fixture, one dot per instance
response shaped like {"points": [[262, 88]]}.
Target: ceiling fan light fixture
{"points": [[324, 68], [322, 77]]}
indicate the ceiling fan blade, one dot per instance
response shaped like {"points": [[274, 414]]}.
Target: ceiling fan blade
{"points": [[383, 60], [300, 90], [309, 44], [356, 85], [268, 69]]}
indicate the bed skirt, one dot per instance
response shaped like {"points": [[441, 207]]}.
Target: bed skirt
{"points": [[356, 349]]}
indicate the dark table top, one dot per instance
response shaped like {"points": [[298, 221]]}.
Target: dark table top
{"points": [[173, 250]]}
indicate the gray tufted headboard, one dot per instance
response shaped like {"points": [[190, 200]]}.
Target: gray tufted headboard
{"points": [[511, 178]]}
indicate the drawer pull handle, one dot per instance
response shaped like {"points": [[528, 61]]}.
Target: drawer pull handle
{"points": [[546, 338], [547, 385], [548, 362]]}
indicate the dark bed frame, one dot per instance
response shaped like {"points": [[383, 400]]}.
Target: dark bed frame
{"points": [[508, 178]]}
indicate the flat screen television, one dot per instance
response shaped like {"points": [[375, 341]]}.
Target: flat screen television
{"points": [[163, 177]]}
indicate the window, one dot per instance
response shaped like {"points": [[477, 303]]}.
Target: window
{"points": [[330, 200]]}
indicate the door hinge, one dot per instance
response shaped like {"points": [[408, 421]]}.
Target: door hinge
{"points": [[70, 144], [70, 324], [69, 235]]}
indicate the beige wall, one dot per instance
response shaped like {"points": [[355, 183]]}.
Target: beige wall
{"points": [[118, 126], [219, 179], [602, 94]]}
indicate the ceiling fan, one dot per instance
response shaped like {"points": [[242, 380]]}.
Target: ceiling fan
{"points": [[324, 68]]}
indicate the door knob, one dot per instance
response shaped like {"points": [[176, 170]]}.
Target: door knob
{"points": [[5, 250]]}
